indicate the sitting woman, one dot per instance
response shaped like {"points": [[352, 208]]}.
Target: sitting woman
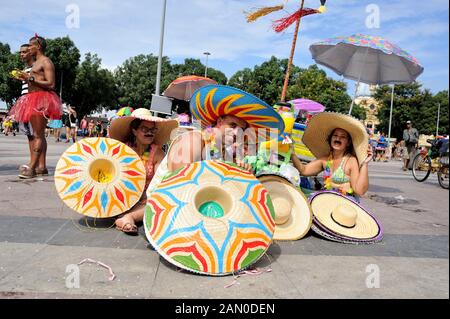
{"points": [[146, 135], [340, 145]]}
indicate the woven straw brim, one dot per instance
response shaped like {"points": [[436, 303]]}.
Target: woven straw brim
{"points": [[300, 220], [100, 177], [322, 125], [177, 230], [319, 230], [322, 206], [120, 128]]}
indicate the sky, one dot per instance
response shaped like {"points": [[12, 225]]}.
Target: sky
{"points": [[117, 30]]}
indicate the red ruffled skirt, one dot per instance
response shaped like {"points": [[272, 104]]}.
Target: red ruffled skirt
{"points": [[44, 103]]}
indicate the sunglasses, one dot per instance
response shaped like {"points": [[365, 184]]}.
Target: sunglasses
{"points": [[146, 130]]}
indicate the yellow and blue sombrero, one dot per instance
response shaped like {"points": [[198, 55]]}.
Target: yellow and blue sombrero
{"points": [[210, 102]]}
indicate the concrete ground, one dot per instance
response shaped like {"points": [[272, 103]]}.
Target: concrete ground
{"points": [[41, 240]]}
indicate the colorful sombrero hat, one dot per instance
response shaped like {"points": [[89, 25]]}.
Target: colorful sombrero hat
{"points": [[293, 217], [341, 219], [322, 125], [120, 127], [213, 101], [100, 177], [210, 218]]}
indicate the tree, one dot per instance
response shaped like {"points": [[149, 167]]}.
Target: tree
{"points": [[66, 57], [94, 87], [265, 80], [411, 102], [195, 67], [136, 80], [442, 99], [10, 89], [314, 84]]}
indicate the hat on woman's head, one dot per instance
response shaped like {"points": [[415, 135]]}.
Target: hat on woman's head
{"points": [[322, 125], [341, 219], [211, 102], [121, 127]]}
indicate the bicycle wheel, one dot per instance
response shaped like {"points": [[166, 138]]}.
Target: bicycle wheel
{"points": [[443, 174], [421, 167]]}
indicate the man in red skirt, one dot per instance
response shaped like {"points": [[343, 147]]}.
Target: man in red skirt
{"points": [[40, 104]]}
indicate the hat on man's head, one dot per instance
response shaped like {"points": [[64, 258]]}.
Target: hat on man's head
{"points": [[408, 122], [211, 102]]}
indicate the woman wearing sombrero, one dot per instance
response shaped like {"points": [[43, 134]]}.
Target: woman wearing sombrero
{"points": [[340, 144], [145, 134]]}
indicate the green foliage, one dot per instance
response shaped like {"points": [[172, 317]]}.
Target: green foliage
{"points": [[411, 102], [94, 87], [66, 57], [136, 80], [266, 80], [195, 67], [10, 89]]}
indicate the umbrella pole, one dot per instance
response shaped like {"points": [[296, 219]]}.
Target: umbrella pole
{"points": [[390, 116], [354, 97], [291, 58], [359, 81]]}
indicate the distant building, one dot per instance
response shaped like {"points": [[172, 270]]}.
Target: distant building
{"points": [[365, 100]]}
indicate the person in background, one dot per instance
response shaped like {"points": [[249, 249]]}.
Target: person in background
{"points": [[84, 126], [411, 138], [91, 128]]}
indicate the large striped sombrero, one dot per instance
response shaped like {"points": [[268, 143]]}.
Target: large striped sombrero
{"points": [[210, 218], [213, 101], [100, 177]]}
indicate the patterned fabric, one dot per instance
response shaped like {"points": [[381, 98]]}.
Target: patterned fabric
{"points": [[373, 42], [337, 178]]}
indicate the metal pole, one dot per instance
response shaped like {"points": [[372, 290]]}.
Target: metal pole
{"points": [[161, 45], [206, 67], [354, 97], [438, 118], [390, 116]]}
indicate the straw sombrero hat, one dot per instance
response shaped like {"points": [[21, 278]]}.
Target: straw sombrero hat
{"points": [[293, 217], [322, 125], [210, 218], [213, 101], [120, 127], [100, 177], [342, 219]]}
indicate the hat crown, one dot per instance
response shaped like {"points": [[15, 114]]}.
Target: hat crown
{"points": [[345, 215], [141, 112], [283, 210]]}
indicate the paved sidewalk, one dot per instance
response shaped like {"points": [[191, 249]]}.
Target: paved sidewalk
{"points": [[40, 238]]}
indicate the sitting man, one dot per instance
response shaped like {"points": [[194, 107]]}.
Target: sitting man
{"points": [[224, 113]]}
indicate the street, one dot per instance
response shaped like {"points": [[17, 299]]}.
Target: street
{"points": [[41, 241]]}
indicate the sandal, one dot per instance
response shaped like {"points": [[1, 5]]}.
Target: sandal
{"points": [[41, 172], [23, 168], [27, 173], [132, 230]]}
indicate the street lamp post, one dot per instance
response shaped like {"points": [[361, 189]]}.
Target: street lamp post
{"points": [[161, 45], [206, 67]]}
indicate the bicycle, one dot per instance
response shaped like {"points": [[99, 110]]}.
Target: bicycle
{"points": [[435, 159]]}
